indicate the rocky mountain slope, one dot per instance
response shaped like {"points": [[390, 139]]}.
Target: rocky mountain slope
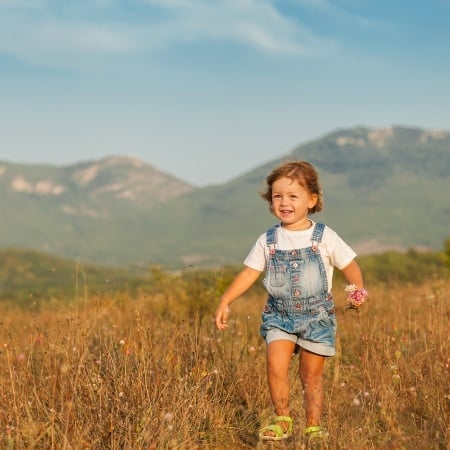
{"points": [[56, 209]]}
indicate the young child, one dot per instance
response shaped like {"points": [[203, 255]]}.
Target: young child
{"points": [[298, 256]]}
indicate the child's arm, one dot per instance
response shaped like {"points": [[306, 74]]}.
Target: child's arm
{"points": [[353, 274], [240, 284], [356, 294]]}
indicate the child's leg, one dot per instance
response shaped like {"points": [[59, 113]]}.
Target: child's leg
{"points": [[311, 374], [279, 354]]}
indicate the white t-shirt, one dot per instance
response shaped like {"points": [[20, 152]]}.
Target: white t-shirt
{"points": [[334, 251]]}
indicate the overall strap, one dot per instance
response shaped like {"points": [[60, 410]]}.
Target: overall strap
{"points": [[317, 234], [271, 238]]}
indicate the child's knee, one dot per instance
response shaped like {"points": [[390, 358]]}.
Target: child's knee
{"points": [[311, 378]]}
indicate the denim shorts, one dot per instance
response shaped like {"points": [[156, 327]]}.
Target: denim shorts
{"points": [[318, 337]]}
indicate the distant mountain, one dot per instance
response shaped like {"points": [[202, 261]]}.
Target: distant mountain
{"points": [[384, 188], [60, 210]]}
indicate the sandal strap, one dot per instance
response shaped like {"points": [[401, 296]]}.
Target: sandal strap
{"points": [[275, 428], [313, 429], [283, 419], [286, 419]]}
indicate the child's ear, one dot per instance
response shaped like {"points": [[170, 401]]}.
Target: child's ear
{"points": [[312, 201]]}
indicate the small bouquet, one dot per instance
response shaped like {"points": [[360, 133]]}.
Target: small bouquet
{"points": [[355, 297]]}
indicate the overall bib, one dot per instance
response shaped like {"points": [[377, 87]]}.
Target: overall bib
{"points": [[299, 300]]}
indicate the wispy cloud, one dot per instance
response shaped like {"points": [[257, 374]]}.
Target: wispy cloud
{"points": [[255, 23], [47, 33]]}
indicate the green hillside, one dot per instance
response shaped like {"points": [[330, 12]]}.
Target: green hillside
{"points": [[384, 189], [29, 277]]}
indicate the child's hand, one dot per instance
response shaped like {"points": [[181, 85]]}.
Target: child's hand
{"points": [[222, 316], [355, 297]]}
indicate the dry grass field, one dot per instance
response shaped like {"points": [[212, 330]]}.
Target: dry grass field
{"points": [[152, 372]]}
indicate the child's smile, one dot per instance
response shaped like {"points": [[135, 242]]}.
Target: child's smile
{"points": [[291, 203]]}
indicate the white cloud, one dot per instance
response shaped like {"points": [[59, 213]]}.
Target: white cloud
{"points": [[63, 44], [76, 36], [257, 24]]}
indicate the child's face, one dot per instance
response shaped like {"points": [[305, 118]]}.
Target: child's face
{"points": [[291, 203]]}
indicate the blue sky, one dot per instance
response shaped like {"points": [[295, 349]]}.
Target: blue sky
{"points": [[208, 89]]}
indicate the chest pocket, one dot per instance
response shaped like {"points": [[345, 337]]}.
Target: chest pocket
{"points": [[277, 273]]}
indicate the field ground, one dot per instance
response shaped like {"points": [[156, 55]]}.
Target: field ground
{"points": [[152, 372]]}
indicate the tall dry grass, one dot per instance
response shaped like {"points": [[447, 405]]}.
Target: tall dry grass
{"points": [[152, 372]]}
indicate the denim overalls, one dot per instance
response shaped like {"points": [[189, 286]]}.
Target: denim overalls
{"points": [[299, 301]]}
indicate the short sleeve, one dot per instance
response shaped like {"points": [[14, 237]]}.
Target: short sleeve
{"points": [[339, 252], [257, 257]]}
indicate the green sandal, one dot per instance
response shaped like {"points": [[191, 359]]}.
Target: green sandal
{"points": [[317, 437], [277, 430]]}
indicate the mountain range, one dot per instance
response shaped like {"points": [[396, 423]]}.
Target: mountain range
{"points": [[383, 188]]}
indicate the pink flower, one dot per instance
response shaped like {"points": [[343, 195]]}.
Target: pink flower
{"points": [[355, 297]]}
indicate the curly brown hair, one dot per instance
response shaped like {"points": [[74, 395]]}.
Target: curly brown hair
{"points": [[300, 171]]}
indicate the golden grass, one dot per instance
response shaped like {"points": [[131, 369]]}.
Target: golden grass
{"points": [[152, 372]]}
